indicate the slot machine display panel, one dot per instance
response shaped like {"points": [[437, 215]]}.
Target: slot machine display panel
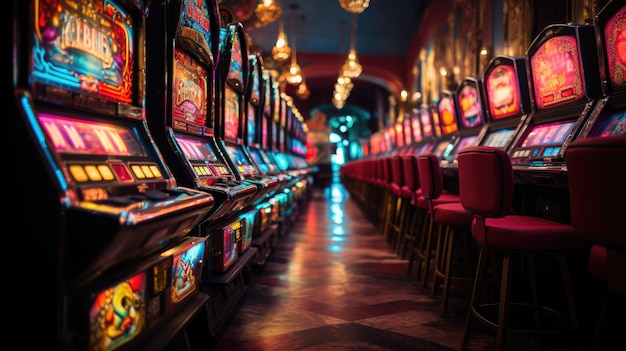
{"points": [[130, 310], [110, 201], [124, 203], [471, 115], [507, 100], [609, 114], [447, 122], [234, 79], [428, 137], [565, 84], [184, 42], [225, 243]]}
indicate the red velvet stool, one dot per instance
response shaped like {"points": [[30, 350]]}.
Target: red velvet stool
{"points": [[431, 181], [596, 171], [452, 248], [486, 188]]}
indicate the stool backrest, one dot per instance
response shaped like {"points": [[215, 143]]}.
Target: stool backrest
{"points": [[431, 179], [596, 172], [485, 181], [411, 173]]}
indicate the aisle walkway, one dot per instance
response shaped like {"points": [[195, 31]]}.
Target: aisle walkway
{"points": [[334, 284]]}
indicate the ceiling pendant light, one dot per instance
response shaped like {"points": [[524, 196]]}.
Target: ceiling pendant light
{"points": [[294, 75], [351, 67], [281, 50], [268, 11], [354, 6]]}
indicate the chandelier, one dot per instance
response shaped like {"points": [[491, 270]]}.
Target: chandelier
{"points": [[281, 50], [303, 91], [354, 6], [268, 10], [294, 75], [351, 67]]}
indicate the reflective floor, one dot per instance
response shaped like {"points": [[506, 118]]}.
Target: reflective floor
{"points": [[333, 283]]}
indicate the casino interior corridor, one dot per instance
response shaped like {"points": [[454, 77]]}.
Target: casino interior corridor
{"points": [[333, 283]]}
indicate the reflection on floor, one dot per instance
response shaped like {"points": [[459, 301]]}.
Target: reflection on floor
{"points": [[333, 283]]}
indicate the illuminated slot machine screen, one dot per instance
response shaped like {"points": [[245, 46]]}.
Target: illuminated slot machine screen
{"points": [[186, 272], [285, 111], [565, 82], [608, 115], [507, 99], [258, 158], [406, 129], [231, 115], [416, 127], [118, 313], [189, 94], [448, 124], [469, 98], [202, 154], [255, 101], [241, 161], [399, 135], [267, 110], [226, 245], [471, 114]]}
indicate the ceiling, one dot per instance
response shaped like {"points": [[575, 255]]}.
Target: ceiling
{"points": [[385, 31]]}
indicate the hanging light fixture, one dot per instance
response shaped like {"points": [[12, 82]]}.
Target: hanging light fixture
{"points": [[268, 11], [281, 51], [352, 68], [303, 91], [294, 75], [354, 6]]}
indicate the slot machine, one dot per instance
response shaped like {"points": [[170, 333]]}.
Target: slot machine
{"points": [[447, 123], [424, 122], [184, 41], [609, 115], [233, 78], [507, 99], [564, 81], [471, 116], [261, 231], [109, 220]]}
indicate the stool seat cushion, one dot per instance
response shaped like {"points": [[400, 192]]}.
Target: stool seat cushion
{"points": [[422, 203], [453, 214], [527, 233]]}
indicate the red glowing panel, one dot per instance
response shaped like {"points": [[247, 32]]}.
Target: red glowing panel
{"points": [[615, 36], [76, 136], [447, 115], [556, 72], [189, 92], [471, 109], [426, 121], [231, 113], [503, 95], [416, 128]]}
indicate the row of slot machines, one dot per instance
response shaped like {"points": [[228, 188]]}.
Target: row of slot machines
{"points": [[570, 84], [153, 150]]}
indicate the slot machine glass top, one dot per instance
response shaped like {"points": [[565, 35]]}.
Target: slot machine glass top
{"points": [[613, 41], [502, 92], [93, 54], [557, 77], [190, 99], [447, 114], [470, 106]]}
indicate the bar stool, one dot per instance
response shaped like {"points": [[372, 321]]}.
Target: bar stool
{"points": [[411, 220], [452, 249], [431, 181], [596, 170], [486, 188]]}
